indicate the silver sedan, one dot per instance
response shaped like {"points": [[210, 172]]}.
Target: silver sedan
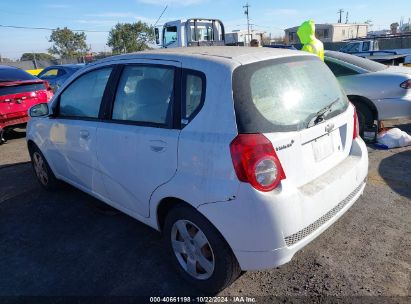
{"points": [[379, 92]]}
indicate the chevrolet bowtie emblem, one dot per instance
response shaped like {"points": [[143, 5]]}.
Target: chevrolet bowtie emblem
{"points": [[329, 127]]}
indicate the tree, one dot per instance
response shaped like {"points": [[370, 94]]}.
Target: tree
{"points": [[37, 56], [130, 37], [67, 44]]}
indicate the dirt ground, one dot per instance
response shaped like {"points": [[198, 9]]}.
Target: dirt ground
{"points": [[68, 244]]}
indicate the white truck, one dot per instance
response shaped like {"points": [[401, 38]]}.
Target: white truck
{"points": [[190, 32], [370, 49]]}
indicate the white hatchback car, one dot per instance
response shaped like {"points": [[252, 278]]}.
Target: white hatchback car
{"points": [[240, 156]]}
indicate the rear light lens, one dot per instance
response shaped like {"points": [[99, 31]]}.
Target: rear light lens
{"points": [[356, 131], [49, 90], [256, 162], [406, 84]]}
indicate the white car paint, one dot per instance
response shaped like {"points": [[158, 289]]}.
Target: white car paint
{"points": [[125, 165]]}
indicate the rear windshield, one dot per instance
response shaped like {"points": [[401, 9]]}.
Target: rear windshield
{"points": [[10, 74], [22, 89], [284, 94]]}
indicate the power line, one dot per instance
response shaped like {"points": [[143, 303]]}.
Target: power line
{"points": [[48, 29], [162, 13]]}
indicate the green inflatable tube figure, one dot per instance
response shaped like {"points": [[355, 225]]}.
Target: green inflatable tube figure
{"points": [[306, 33]]}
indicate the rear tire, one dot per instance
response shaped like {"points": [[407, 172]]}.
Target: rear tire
{"points": [[198, 251], [365, 116], [41, 168]]}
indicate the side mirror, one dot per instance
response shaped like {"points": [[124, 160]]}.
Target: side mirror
{"points": [[39, 110], [157, 33]]}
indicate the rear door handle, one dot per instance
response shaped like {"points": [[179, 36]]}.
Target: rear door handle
{"points": [[158, 145], [84, 134]]}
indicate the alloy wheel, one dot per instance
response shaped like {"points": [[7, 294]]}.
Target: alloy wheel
{"points": [[40, 168], [192, 249]]}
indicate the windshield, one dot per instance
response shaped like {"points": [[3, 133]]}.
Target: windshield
{"points": [[284, 94], [366, 64]]}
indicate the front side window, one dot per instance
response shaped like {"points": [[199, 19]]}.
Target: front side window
{"points": [[284, 94], [355, 47], [145, 95], [366, 46], [82, 98], [169, 35]]}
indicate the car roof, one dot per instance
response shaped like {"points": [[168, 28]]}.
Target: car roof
{"points": [[8, 67], [232, 55], [71, 66]]}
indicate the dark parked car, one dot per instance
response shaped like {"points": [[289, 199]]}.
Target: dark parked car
{"points": [[56, 75]]}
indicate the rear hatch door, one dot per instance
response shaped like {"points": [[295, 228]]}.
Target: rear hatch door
{"points": [[297, 103]]}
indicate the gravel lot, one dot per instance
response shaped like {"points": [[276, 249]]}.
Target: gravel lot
{"points": [[67, 243]]}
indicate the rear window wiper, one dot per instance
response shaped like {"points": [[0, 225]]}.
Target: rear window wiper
{"points": [[320, 115]]}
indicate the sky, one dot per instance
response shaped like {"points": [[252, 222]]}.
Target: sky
{"points": [[101, 15]]}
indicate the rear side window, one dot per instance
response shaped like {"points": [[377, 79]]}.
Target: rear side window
{"points": [[52, 73], [284, 94], [49, 74], [82, 98], [12, 74], [340, 70], [363, 63], [22, 89], [145, 94], [194, 85]]}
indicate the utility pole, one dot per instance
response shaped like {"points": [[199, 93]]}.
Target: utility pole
{"points": [[246, 6], [346, 18], [340, 11], [34, 60]]}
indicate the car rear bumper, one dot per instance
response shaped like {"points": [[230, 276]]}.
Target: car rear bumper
{"points": [[269, 259], [265, 230], [13, 119]]}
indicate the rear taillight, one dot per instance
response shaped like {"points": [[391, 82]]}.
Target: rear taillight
{"points": [[406, 84], [256, 162], [49, 90], [356, 131]]}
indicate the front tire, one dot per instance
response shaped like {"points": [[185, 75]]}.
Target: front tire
{"points": [[198, 251], [42, 170]]}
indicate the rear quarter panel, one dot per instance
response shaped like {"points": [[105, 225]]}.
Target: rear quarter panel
{"points": [[205, 171], [379, 88]]}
